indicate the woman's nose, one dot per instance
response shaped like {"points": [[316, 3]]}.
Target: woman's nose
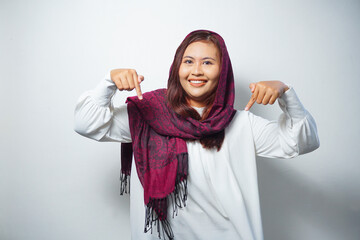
{"points": [[197, 69]]}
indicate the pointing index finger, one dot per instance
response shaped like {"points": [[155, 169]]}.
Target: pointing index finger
{"points": [[250, 103], [137, 86], [253, 98]]}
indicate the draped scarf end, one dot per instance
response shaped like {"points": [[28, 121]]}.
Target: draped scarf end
{"points": [[156, 209]]}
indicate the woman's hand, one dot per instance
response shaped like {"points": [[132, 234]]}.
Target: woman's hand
{"points": [[265, 92], [127, 79]]}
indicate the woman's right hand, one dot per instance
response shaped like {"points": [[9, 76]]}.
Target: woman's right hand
{"points": [[127, 79]]}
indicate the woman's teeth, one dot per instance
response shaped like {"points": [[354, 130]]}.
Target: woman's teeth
{"points": [[197, 83]]}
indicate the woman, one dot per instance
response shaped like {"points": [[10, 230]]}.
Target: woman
{"points": [[194, 165]]}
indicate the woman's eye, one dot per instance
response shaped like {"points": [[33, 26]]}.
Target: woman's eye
{"points": [[207, 63], [188, 61]]}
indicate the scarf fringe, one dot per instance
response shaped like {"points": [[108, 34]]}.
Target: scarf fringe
{"points": [[162, 226], [124, 183], [156, 209]]}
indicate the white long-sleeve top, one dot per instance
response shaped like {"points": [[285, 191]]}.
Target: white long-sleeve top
{"points": [[223, 199]]}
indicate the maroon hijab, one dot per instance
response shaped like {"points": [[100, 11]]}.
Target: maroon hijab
{"points": [[159, 144]]}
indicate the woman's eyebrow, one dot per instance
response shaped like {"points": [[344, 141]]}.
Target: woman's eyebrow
{"points": [[201, 59]]}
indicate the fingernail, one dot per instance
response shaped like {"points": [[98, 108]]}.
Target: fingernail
{"points": [[140, 97], [246, 108]]}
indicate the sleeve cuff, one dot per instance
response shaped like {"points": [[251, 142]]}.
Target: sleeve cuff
{"points": [[290, 103], [104, 91]]}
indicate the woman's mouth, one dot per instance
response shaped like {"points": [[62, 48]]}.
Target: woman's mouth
{"points": [[197, 82]]}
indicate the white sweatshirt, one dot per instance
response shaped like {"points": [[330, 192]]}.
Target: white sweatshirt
{"points": [[223, 199]]}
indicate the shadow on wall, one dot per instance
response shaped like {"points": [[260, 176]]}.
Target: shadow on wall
{"points": [[292, 207]]}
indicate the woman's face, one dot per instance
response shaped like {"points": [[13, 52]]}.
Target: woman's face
{"points": [[199, 71]]}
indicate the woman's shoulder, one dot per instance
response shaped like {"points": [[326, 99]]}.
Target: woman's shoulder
{"points": [[240, 117], [157, 92], [149, 97], [242, 114], [240, 126]]}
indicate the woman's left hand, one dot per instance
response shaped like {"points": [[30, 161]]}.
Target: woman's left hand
{"points": [[265, 92]]}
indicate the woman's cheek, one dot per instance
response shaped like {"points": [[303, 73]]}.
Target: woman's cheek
{"points": [[183, 72]]}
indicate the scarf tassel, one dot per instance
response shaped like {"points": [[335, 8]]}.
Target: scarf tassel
{"points": [[156, 217], [124, 183], [156, 209]]}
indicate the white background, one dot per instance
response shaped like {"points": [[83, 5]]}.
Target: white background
{"points": [[56, 185]]}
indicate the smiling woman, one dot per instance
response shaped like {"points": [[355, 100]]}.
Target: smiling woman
{"points": [[199, 72], [188, 151], [197, 58]]}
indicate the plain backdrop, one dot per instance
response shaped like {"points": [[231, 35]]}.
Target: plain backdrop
{"points": [[56, 184]]}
